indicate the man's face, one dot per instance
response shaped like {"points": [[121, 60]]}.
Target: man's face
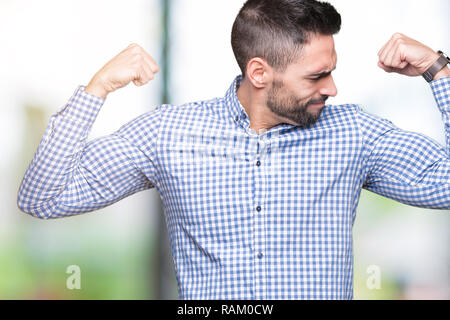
{"points": [[298, 95]]}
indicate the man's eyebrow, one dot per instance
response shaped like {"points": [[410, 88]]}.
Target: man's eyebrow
{"points": [[321, 74]]}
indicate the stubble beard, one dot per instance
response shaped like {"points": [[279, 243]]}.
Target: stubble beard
{"points": [[291, 107]]}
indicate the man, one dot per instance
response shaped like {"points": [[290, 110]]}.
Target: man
{"points": [[261, 187]]}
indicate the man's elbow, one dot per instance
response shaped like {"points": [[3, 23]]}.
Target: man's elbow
{"points": [[32, 210]]}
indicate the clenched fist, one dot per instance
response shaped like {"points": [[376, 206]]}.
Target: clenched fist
{"points": [[131, 65], [406, 56]]}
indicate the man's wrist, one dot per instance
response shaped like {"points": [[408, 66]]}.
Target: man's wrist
{"points": [[96, 89], [438, 69]]}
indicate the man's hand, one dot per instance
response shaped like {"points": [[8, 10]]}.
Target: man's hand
{"points": [[406, 56], [132, 64]]}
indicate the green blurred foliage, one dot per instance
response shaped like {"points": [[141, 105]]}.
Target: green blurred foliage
{"points": [[106, 272]]}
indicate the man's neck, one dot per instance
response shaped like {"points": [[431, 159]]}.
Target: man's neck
{"points": [[253, 100]]}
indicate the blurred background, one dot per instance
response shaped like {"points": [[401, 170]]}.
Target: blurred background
{"points": [[49, 47]]}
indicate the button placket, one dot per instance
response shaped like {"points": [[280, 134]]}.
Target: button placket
{"points": [[260, 236]]}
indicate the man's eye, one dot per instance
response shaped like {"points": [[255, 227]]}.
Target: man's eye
{"points": [[315, 79]]}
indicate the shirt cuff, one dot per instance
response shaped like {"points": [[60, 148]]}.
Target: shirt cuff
{"points": [[441, 92], [82, 106]]}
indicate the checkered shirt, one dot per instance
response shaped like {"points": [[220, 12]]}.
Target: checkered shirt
{"points": [[265, 215]]}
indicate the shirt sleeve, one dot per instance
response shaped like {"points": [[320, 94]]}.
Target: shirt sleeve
{"points": [[405, 166], [70, 176]]}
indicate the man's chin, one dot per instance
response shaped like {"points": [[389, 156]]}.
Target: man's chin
{"points": [[306, 120], [303, 124], [311, 120]]}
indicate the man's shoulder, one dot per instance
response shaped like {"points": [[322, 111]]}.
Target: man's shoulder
{"points": [[214, 109], [342, 108], [369, 125], [342, 113], [210, 105], [355, 111], [167, 112], [356, 116], [371, 121]]}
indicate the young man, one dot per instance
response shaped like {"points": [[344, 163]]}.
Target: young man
{"points": [[260, 188]]}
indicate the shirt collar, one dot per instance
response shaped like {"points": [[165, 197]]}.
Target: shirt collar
{"points": [[237, 111]]}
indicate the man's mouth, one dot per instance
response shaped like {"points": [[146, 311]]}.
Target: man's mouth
{"points": [[318, 103]]}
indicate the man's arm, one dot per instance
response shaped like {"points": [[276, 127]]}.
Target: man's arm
{"points": [[69, 176], [406, 166]]}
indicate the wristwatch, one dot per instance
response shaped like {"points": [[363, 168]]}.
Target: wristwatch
{"points": [[436, 67]]}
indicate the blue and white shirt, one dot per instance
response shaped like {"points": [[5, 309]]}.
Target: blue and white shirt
{"points": [[250, 215]]}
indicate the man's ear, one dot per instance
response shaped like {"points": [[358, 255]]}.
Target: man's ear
{"points": [[259, 73]]}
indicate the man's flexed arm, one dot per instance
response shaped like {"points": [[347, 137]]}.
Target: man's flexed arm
{"points": [[69, 176], [407, 166], [409, 57]]}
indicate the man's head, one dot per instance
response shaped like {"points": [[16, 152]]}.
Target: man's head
{"points": [[281, 47]]}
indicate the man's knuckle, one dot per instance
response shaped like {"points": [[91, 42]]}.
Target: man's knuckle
{"points": [[402, 41], [136, 49], [138, 58]]}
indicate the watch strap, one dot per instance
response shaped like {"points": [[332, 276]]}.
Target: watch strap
{"points": [[436, 67]]}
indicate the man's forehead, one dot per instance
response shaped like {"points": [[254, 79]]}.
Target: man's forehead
{"points": [[318, 56], [321, 68], [318, 65]]}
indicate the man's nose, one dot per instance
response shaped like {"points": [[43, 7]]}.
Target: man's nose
{"points": [[329, 88]]}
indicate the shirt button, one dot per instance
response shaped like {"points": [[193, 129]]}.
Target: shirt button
{"points": [[258, 163], [260, 255], [258, 208], [237, 119]]}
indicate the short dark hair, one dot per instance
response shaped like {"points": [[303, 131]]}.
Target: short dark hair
{"points": [[276, 30]]}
